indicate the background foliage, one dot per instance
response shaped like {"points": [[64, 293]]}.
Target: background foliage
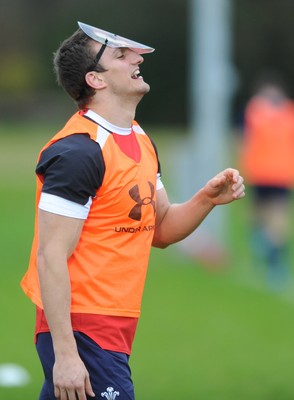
{"points": [[30, 32]]}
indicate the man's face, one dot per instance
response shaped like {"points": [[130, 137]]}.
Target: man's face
{"points": [[122, 74]]}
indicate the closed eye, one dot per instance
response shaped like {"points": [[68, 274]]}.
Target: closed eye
{"points": [[120, 53]]}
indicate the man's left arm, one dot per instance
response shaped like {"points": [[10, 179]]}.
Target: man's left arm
{"points": [[174, 222]]}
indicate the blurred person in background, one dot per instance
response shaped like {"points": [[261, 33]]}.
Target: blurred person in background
{"points": [[267, 163], [100, 206]]}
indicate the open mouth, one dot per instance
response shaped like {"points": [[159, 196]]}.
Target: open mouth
{"points": [[136, 74]]}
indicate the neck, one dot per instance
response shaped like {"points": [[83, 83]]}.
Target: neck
{"points": [[119, 113]]}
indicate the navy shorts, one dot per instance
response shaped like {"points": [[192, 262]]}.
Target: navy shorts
{"points": [[109, 371]]}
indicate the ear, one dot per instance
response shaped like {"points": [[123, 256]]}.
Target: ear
{"points": [[95, 80]]}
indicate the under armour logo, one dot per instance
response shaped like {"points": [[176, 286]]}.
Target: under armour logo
{"points": [[136, 211], [110, 394]]}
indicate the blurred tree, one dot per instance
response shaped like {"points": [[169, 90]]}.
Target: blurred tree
{"points": [[263, 32], [36, 29], [31, 30]]}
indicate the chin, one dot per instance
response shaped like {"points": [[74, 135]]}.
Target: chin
{"points": [[146, 88], [142, 90]]}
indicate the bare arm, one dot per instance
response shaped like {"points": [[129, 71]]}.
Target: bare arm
{"points": [[174, 222], [58, 237]]}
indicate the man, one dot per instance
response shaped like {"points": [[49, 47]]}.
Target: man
{"points": [[268, 165], [101, 205]]}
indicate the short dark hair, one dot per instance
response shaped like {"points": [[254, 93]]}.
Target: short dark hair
{"points": [[72, 60]]}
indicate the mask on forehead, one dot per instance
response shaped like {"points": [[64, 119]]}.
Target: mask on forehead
{"points": [[111, 40]]}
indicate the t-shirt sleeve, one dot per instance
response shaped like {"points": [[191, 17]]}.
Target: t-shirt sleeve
{"points": [[72, 169]]}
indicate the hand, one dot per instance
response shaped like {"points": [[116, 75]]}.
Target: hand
{"points": [[71, 379], [225, 187]]}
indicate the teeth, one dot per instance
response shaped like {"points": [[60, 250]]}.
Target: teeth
{"points": [[136, 74]]}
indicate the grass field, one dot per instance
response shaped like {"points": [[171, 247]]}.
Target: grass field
{"points": [[204, 334]]}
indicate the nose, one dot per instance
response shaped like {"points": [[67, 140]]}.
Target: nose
{"points": [[136, 57]]}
